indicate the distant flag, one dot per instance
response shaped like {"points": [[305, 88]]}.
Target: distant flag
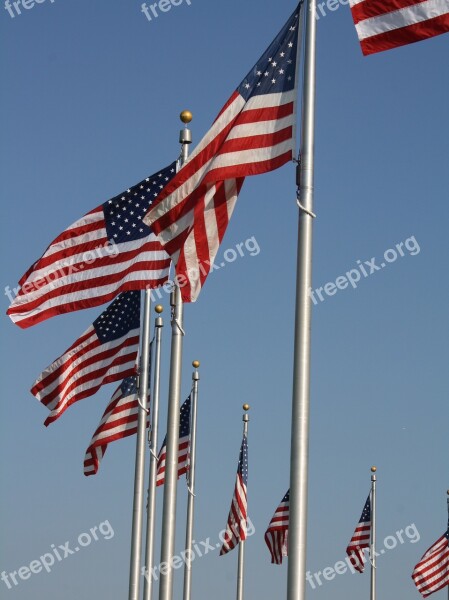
{"points": [[391, 23], [254, 133], [183, 447], [106, 352], [276, 536], [109, 250], [432, 572], [360, 539], [238, 515], [119, 421]]}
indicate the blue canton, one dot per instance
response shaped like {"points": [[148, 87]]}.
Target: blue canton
{"points": [[119, 318], [123, 214], [276, 70], [184, 419], [243, 461], [366, 513]]}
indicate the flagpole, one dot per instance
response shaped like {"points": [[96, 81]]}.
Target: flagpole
{"points": [[151, 510], [448, 528], [297, 541], [191, 483], [373, 534], [241, 559], [174, 395], [139, 473]]}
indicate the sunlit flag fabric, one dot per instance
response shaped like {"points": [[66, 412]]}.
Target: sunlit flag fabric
{"points": [[360, 539], [254, 133], [109, 250], [391, 23], [276, 536], [183, 447], [119, 421], [106, 352], [237, 519], [432, 572]]}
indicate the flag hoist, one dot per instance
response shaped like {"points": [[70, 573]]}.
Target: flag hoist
{"points": [[191, 482], [174, 395], [151, 508]]}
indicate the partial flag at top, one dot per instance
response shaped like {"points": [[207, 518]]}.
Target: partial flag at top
{"points": [[360, 539], [183, 445], [108, 251], [254, 133], [391, 23]]}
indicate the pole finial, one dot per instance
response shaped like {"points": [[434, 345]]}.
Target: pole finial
{"points": [[186, 116], [373, 469], [195, 364], [246, 407], [159, 309]]}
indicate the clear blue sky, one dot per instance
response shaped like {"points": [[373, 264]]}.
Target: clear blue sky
{"points": [[90, 104]]}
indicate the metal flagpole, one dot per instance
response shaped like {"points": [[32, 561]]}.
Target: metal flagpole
{"points": [[139, 474], [151, 510], [241, 559], [297, 540], [191, 483], [174, 394], [373, 534]]}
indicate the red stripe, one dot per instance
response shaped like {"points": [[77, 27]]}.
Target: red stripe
{"points": [[257, 141], [375, 8], [405, 35]]}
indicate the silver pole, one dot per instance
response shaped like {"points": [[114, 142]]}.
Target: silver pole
{"points": [[151, 510], [191, 487], [373, 534], [299, 458], [139, 474], [174, 395], [448, 528], [241, 559]]}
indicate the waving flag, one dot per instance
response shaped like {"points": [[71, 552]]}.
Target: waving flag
{"points": [[109, 250], [360, 539], [276, 535], [106, 352], [183, 446], [254, 133], [391, 23], [119, 421], [432, 572], [238, 515]]}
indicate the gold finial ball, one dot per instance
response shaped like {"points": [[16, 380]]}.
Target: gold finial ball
{"points": [[186, 116], [196, 364], [373, 469], [159, 309], [246, 407]]}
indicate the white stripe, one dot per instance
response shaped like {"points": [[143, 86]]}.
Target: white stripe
{"points": [[270, 100], [248, 130], [231, 159], [70, 242], [404, 17]]}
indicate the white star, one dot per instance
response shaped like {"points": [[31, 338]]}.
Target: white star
{"points": [[270, 59], [141, 187], [258, 84], [290, 44], [266, 73], [275, 64], [259, 73], [142, 197], [120, 227], [282, 54], [281, 71], [247, 86], [273, 81], [112, 224]]}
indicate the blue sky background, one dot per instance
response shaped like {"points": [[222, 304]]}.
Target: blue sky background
{"points": [[90, 104]]}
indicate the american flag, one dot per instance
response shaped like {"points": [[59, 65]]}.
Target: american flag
{"points": [[109, 250], [183, 447], [119, 421], [360, 539], [106, 352], [432, 572], [237, 518], [254, 133], [391, 23], [276, 536]]}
